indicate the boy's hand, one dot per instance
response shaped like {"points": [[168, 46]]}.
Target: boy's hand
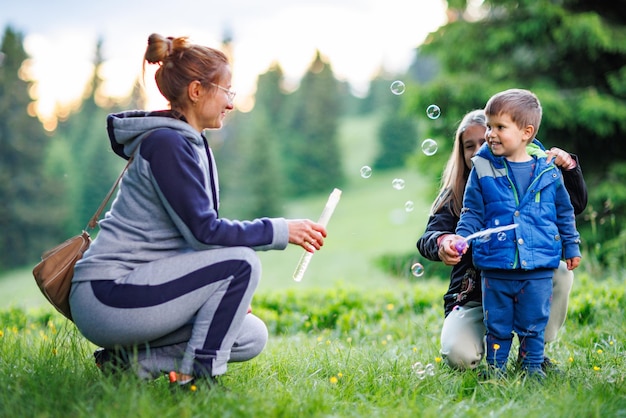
{"points": [[572, 263]]}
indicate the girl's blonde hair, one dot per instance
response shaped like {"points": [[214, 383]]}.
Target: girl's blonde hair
{"points": [[456, 173], [181, 62]]}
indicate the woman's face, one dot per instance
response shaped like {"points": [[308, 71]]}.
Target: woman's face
{"points": [[471, 140], [214, 103]]}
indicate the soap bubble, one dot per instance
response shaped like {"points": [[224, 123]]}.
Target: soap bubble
{"points": [[429, 147], [366, 171], [397, 87], [417, 270], [422, 371], [429, 369], [433, 111], [409, 206], [418, 368], [398, 184]]}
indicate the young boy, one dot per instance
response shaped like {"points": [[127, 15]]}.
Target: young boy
{"points": [[511, 182]]}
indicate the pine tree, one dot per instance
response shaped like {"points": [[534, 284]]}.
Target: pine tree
{"points": [[311, 149], [397, 139], [30, 208], [571, 54], [81, 141]]}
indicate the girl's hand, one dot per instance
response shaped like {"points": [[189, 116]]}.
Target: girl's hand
{"points": [[447, 252]]}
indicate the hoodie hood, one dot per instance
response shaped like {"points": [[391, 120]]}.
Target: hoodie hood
{"points": [[126, 130]]}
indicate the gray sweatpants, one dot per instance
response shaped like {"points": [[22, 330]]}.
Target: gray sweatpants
{"points": [[463, 331], [197, 302]]}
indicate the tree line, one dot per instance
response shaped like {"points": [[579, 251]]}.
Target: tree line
{"points": [[572, 54]]}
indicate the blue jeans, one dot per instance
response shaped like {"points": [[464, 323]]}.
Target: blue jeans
{"points": [[520, 306]]}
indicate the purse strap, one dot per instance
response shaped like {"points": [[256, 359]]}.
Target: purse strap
{"points": [[93, 222]]}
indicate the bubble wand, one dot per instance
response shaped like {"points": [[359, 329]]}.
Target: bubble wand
{"points": [[461, 245], [333, 199]]}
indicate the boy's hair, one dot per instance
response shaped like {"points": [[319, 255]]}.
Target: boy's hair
{"points": [[521, 105]]}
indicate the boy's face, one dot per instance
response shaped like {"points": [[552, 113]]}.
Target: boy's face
{"points": [[506, 139]]}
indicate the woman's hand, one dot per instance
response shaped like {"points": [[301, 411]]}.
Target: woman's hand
{"points": [[306, 233]]}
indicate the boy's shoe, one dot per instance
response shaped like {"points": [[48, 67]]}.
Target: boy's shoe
{"points": [[490, 373], [111, 361], [549, 366], [536, 375]]}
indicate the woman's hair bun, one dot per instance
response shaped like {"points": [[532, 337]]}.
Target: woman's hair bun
{"points": [[161, 47]]}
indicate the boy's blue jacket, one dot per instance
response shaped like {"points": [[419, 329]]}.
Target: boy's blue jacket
{"points": [[546, 230]]}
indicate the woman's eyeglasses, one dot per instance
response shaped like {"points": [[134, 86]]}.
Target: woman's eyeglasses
{"points": [[230, 94]]}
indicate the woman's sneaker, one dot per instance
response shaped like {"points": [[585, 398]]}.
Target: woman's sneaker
{"points": [[111, 361]]}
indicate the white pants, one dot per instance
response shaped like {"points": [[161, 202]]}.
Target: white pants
{"points": [[463, 331]]}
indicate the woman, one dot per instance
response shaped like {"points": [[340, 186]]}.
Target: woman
{"points": [[166, 276], [463, 330]]}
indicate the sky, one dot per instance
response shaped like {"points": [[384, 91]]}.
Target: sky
{"points": [[357, 37]]}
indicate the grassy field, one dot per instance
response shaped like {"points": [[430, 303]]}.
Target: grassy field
{"points": [[348, 341], [332, 353]]}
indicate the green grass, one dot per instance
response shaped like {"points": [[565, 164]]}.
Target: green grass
{"points": [[332, 353]]}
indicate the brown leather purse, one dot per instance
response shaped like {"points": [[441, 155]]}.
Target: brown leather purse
{"points": [[54, 272]]}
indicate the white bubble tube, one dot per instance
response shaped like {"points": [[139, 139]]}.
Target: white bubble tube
{"points": [[331, 204]]}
